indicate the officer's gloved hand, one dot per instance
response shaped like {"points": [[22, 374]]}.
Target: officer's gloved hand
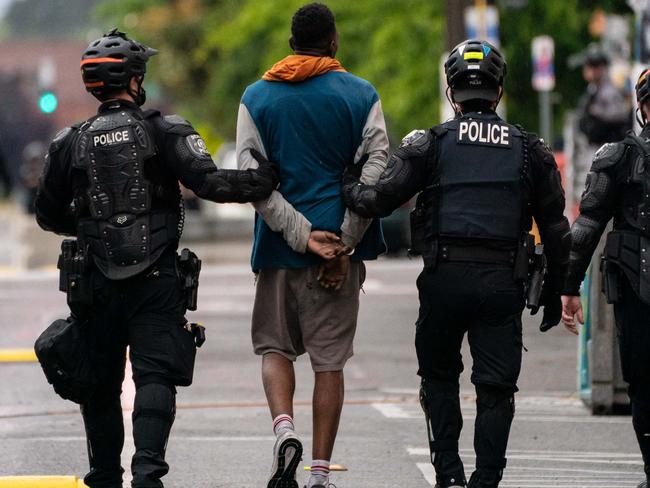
{"points": [[353, 170], [267, 168], [552, 312]]}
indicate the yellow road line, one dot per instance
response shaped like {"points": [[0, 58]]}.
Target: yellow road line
{"points": [[41, 482], [17, 356]]}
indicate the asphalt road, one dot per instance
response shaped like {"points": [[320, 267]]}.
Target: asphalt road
{"points": [[222, 436]]}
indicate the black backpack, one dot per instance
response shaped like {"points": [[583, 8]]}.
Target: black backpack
{"points": [[62, 350]]}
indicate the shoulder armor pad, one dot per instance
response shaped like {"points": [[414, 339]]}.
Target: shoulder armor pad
{"points": [[439, 130], [534, 140], [415, 143], [608, 155], [61, 135], [176, 120], [174, 124], [60, 138], [149, 114]]}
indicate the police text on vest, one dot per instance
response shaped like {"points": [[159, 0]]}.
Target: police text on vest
{"points": [[110, 138], [484, 133]]}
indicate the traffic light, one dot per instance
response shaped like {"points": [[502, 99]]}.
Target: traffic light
{"points": [[48, 102]]}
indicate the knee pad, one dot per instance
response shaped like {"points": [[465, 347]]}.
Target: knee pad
{"points": [[431, 388], [489, 397], [432, 391], [155, 400]]}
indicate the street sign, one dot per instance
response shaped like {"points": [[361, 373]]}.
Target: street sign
{"points": [[482, 23], [543, 49]]}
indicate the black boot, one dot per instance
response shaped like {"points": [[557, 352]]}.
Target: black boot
{"points": [[153, 415], [485, 479], [441, 405], [105, 438]]}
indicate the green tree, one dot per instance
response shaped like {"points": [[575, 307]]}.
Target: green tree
{"points": [[211, 50]]}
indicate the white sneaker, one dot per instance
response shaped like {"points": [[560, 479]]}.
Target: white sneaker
{"points": [[287, 453]]}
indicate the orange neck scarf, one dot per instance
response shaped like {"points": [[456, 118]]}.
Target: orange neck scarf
{"points": [[299, 67]]}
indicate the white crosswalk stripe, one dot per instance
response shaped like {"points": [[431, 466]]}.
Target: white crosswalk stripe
{"points": [[525, 469], [528, 468]]}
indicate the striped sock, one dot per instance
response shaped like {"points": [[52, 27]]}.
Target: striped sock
{"points": [[282, 423], [320, 473]]}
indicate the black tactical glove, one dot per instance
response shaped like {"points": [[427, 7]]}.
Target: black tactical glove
{"points": [[350, 182], [268, 170], [353, 170], [552, 312], [198, 332]]}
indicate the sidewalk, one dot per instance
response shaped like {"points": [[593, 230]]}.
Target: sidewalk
{"points": [[25, 246]]}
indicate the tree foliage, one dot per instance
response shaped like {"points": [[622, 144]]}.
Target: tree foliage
{"points": [[212, 49]]}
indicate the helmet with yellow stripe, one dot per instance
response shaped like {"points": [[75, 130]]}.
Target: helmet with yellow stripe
{"points": [[109, 63], [475, 70]]}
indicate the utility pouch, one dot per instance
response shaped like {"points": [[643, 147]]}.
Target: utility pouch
{"points": [[418, 224], [64, 353], [611, 280], [74, 277], [525, 254], [189, 268], [536, 280]]}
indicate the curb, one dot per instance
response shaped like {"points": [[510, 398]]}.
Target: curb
{"points": [[41, 482], [17, 356]]}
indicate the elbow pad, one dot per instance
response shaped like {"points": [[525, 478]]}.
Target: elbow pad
{"points": [[238, 186], [365, 201], [596, 191], [585, 233], [396, 184]]}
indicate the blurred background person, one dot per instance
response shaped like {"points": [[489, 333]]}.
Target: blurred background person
{"points": [[31, 169], [605, 111]]}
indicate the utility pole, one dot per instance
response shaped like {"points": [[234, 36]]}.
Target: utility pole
{"points": [[455, 10]]}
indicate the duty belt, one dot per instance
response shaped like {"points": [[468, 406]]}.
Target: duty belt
{"points": [[449, 253]]}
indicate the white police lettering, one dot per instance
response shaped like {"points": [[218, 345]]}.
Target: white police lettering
{"points": [[483, 133], [110, 138]]}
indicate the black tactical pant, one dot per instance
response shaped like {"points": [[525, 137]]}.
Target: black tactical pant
{"points": [[145, 313], [632, 317], [485, 302]]}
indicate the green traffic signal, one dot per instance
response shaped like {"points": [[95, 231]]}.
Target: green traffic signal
{"points": [[48, 102]]}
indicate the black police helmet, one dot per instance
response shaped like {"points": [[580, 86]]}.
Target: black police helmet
{"points": [[642, 87], [109, 63], [475, 70]]}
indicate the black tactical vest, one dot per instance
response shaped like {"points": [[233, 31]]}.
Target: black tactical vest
{"points": [[123, 233], [628, 246], [635, 208], [478, 182]]}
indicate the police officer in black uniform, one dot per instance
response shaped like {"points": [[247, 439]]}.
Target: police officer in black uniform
{"points": [[618, 187], [113, 183], [481, 181]]}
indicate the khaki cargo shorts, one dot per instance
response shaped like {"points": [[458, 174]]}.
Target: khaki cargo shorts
{"points": [[294, 314]]}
